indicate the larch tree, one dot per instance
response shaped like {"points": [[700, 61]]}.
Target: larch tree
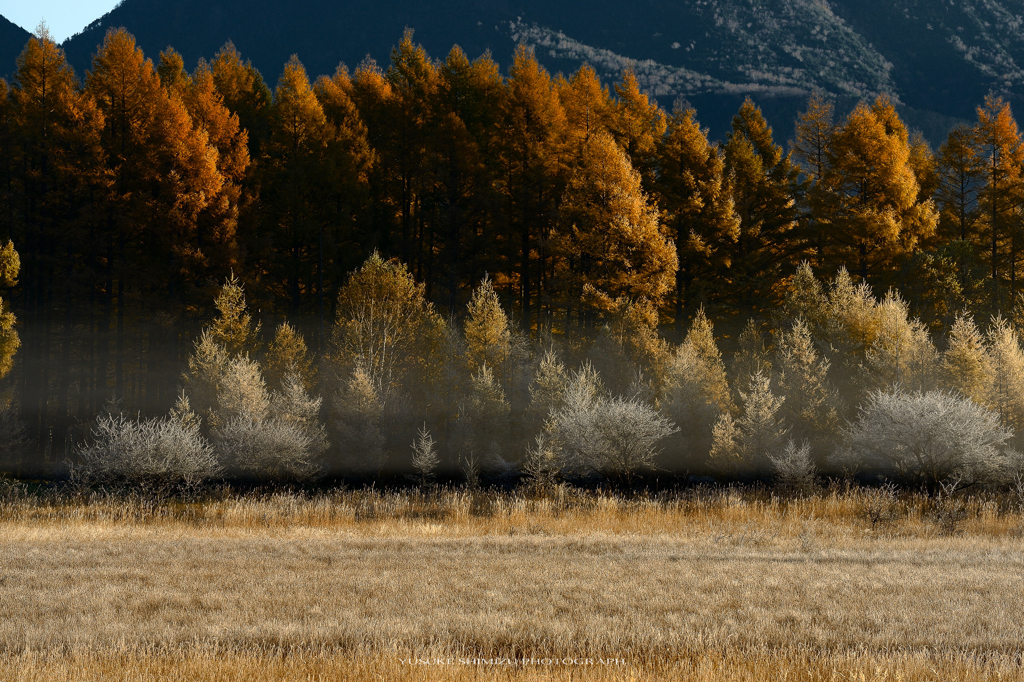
{"points": [[998, 146], [294, 186], [748, 444], [695, 198], [488, 335], [815, 129], [54, 179], [812, 405], [871, 193], [960, 178], [966, 364], [588, 105], [901, 352], [765, 188], [530, 176], [696, 390], [638, 125], [286, 354], [245, 94], [610, 243]]}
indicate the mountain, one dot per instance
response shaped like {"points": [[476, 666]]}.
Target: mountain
{"points": [[936, 58], [12, 40]]}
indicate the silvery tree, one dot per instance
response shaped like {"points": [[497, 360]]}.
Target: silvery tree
{"points": [[613, 435], [931, 436]]}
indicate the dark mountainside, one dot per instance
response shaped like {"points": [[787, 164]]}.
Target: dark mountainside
{"points": [[937, 58], [12, 40]]}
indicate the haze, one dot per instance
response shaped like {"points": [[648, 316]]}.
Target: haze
{"points": [[63, 17]]}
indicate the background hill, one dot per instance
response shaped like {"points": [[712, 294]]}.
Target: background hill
{"points": [[12, 39], [937, 58]]}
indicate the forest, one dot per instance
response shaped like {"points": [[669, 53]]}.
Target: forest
{"points": [[434, 267]]}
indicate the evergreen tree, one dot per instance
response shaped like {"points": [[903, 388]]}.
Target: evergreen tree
{"points": [[697, 208], [965, 363], [765, 192], [871, 200], [611, 243]]}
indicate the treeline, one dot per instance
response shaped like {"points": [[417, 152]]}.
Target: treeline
{"points": [[839, 382], [132, 193]]}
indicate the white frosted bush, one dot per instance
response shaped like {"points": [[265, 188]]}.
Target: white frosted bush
{"points": [[590, 432], [146, 451], [932, 436], [268, 448]]}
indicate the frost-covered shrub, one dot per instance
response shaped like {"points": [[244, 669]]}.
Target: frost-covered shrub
{"points": [[930, 436], [160, 452], [631, 430], [590, 432], [268, 448]]}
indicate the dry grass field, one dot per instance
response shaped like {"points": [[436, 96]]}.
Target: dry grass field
{"points": [[701, 585]]}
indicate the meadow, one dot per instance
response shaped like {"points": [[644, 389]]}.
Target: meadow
{"points": [[722, 583]]}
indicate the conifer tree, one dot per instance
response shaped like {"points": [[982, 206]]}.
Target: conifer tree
{"points": [[638, 125], [747, 444], [530, 180], [815, 129], [812, 406], [960, 174], [358, 420], [547, 388], [487, 414], [1006, 358], [752, 356], [9, 339], [696, 390], [245, 94], [288, 353], [611, 243], [233, 328], [488, 337], [901, 352], [765, 193], [695, 198], [999, 148], [588, 105], [965, 363], [871, 200]]}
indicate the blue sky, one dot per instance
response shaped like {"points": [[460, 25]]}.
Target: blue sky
{"points": [[64, 17]]}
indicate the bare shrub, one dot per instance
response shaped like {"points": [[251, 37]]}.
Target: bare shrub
{"points": [[268, 448], [617, 436], [929, 436], [160, 453], [878, 505]]}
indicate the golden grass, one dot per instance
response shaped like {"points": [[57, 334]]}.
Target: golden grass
{"points": [[710, 585]]}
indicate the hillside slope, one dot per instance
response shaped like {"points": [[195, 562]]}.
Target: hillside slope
{"points": [[937, 58], [12, 40]]}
